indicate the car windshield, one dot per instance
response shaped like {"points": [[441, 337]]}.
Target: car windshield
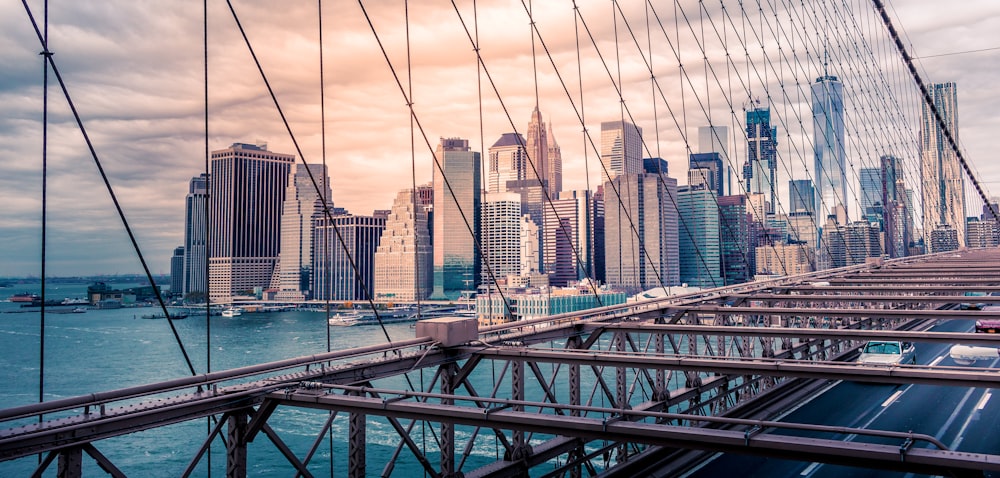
{"points": [[882, 348]]}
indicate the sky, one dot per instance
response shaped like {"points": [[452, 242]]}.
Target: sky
{"points": [[135, 72]]}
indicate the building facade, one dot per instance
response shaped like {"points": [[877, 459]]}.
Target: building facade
{"points": [[829, 171], [195, 273], [344, 259], [247, 191], [762, 155], [457, 185], [404, 254], [621, 149], [943, 183], [302, 201]]}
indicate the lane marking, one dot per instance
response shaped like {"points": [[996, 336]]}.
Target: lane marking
{"points": [[983, 401], [937, 360], [960, 436], [892, 398], [809, 469]]}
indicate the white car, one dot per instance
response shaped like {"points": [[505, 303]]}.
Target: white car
{"points": [[887, 352]]}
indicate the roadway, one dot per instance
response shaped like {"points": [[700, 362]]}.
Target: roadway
{"points": [[964, 419]]}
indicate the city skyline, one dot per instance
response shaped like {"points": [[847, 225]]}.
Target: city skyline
{"points": [[149, 138]]}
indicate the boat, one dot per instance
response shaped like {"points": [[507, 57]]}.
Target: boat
{"points": [[25, 297], [392, 315], [79, 310], [232, 312], [345, 319]]}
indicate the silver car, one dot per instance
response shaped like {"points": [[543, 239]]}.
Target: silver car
{"points": [[887, 352]]}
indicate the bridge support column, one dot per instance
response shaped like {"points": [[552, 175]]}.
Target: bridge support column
{"points": [[448, 386], [236, 446], [621, 400], [70, 463], [574, 343], [519, 446], [357, 438]]}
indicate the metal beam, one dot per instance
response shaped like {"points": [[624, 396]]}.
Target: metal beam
{"points": [[924, 460], [802, 332], [937, 375]]}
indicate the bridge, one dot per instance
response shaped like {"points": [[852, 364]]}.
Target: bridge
{"points": [[657, 383], [698, 383]]}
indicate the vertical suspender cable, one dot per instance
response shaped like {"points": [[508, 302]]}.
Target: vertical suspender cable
{"points": [[45, 142]]}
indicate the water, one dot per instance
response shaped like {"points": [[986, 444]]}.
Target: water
{"points": [[110, 349]]}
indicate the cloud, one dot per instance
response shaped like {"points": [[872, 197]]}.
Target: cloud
{"points": [[135, 73]]}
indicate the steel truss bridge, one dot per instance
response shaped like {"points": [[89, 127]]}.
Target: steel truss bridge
{"points": [[660, 383]]}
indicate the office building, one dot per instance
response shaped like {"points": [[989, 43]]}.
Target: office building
{"points": [[195, 277], [568, 239], [508, 161], [344, 260], [707, 169], [621, 149], [715, 139], [404, 254], [698, 238], [982, 233], [870, 181], [501, 236], [302, 201], [737, 249], [801, 196], [785, 259], [545, 154], [762, 156], [641, 232], [829, 171], [177, 271], [943, 182], [457, 186], [247, 190]]}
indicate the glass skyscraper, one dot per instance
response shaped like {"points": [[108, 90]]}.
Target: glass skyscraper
{"points": [[699, 240], [870, 180], [762, 156], [943, 187], [457, 185], [829, 173]]}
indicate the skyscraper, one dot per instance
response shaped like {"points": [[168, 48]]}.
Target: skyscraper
{"points": [[737, 255], [870, 180], [456, 219], [698, 238], [247, 190], [943, 184], [801, 196], [710, 169], [508, 161], [545, 154], [715, 139], [501, 236], [538, 150], [646, 256], [334, 276], [554, 163], [177, 271], [829, 173], [195, 234], [403, 257], [621, 149], [302, 202], [569, 237], [762, 156]]}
